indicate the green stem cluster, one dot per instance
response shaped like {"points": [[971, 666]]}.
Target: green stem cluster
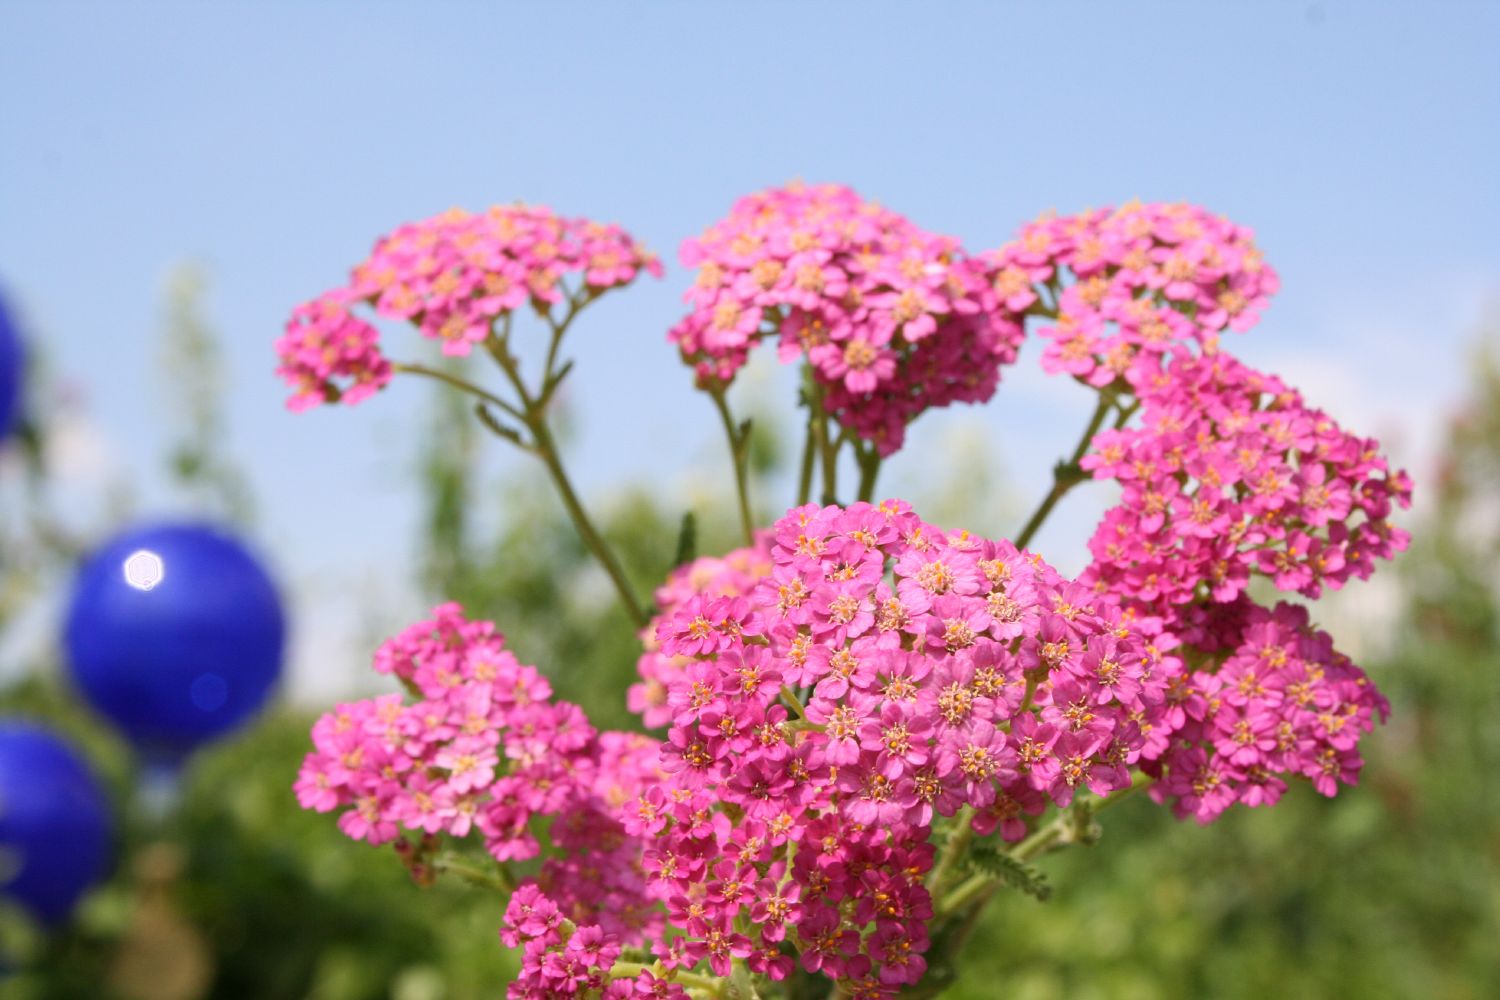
{"points": [[823, 448]]}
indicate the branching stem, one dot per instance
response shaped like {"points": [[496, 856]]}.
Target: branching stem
{"points": [[531, 413], [497, 878], [458, 383], [739, 456], [1066, 474]]}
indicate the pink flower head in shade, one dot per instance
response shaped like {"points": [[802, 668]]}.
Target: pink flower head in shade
{"points": [[937, 670], [483, 750], [576, 961], [1281, 703], [1133, 282], [451, 276], [892, 319]]}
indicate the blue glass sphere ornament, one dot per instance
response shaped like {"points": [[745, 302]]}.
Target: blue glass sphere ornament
{"points": [[54, 822], [12, 365], [175, 634]]}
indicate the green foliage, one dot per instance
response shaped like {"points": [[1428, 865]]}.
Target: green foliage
{"points": [[687, 540], [193, 367], [1016, 874]]}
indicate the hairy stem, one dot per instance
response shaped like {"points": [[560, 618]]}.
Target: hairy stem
{"points": [[497, 878], [958, 844]]}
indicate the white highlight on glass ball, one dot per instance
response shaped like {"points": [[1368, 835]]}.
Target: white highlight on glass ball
{"points": [[144, 569]]}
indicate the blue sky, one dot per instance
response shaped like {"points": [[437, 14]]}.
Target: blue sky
{"points": [[274, 142]]}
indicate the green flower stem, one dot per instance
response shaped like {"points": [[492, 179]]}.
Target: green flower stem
{"points": [[794, 703], [1067, 474], [809, 455], [547, 449], [1048, 294], [497, 878], [739, 456], [1041, 841], [533, 414], [691, 980], [957, 846], [828, 446], [1068, 826], [869, 469], [1138, 782], [559, 327], [1031, 683], [459, 383], [977, 889]]}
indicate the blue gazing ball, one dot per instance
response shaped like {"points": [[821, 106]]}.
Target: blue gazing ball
{"points": [[175, 634], [54, 822], [12, 366]]}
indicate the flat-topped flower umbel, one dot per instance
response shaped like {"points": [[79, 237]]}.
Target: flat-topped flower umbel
{"points": [[451, 276], [893, 320]]}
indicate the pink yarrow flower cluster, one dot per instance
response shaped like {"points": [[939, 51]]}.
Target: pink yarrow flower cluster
{"points": [[451, 276], [713, 588], [892, 319], [483, 751], [1229, 475], [329, 353], [937, 671], [1130, 283], [1274, 700], [561, 959]]}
